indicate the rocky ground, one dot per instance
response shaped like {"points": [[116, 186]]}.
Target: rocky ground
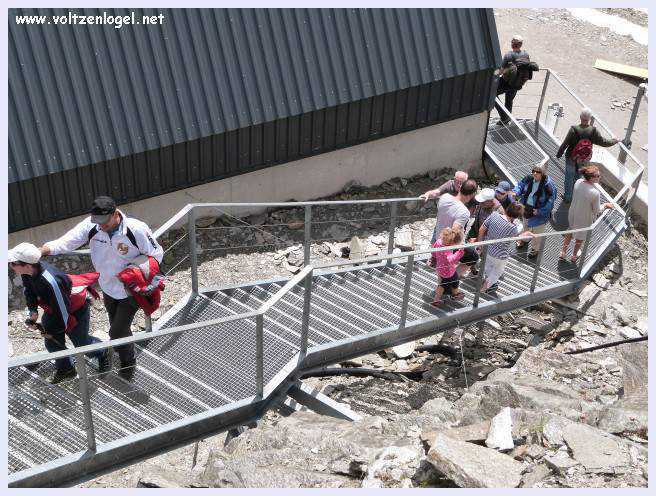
{"points": [[507, 393]]}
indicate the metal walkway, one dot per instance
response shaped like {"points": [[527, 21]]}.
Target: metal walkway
{"points": [[223, 356]]}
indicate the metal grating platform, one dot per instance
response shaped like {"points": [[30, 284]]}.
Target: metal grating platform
{"points": [[183, 378]]}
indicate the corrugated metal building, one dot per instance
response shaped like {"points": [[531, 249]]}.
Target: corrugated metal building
{"points": [[144, 110]]}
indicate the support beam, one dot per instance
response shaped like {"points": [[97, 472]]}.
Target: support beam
{"points": [[320, 403]]}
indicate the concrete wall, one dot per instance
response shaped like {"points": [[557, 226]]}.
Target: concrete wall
{"points": [[458, 144]]}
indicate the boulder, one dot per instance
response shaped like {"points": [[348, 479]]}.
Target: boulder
{"points": [[536, 474], [560, 462], [596, 450], [470, 465], [500, 434], [394, 466]]}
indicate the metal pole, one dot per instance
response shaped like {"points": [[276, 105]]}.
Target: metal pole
{"points": [[586, 245], [406, 290], [305, 322], [538, 262], [259, 356], [392, 230], [629, 201], [308, 235], [149, 323], [629, 129], [83, 384], [191, 230], [481, 274], [544, 92]]}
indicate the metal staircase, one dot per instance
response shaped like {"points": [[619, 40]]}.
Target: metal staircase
{"points": [[222, 356]]}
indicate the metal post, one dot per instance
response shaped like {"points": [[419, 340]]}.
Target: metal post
{"points": [[538, 262], [191, 231], [308, 235], [544, 92], [259, 356], [481, 275], [629, 201], [149, 323], [586, 245], [629, 128], [406, 290], [80, 365], [392, 230], [305, 322]]}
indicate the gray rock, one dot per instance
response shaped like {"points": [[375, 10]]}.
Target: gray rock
{"points": [[594, 449], [560, 462], [403, 240], [629, 332], [470, 465], [394, 466], [536, 474], [500, 434]]}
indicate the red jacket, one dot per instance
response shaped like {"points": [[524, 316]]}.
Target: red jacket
{"points": [[143, 281], [80, 285]]}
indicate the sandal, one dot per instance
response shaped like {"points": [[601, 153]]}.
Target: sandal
{"points": [[437, 303], [563, 255], [458, 296], [574, 259]]}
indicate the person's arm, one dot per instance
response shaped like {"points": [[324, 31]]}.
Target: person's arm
{"points": [[70, 241], [517, 190], [482, 232], [566, 142], [30, 297], [548, 206], [455, 256], [146, 242], [598, 139]]}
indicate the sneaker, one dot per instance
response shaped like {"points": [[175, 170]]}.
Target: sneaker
{"points": [[473, 270], [127, 370], [62, 375], [105, 362], [493, 288], [532, 254]]}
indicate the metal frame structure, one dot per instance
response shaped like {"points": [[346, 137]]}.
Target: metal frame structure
{"points": [[270, 385]]}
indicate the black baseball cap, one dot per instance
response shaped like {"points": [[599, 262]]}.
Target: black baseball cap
{"points": [[102, 209]]}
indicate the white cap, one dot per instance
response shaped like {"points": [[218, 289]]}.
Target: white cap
{"points": [[24, 252], [484, 195], [518, 38]]}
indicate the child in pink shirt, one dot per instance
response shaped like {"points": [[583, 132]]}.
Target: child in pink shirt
{"points": [[446, 263]]}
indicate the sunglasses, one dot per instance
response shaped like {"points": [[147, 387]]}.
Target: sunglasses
{"points": [[537, 172]]}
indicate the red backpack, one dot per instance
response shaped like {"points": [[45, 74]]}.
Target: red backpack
{"points": [[582, 152]]}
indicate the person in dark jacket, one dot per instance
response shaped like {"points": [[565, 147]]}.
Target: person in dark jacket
{"points": [[584, 131], [510, 81], [50, 288], [537, 192]]}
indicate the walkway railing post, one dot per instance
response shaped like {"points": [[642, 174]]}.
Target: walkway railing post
{"points": [[481, 275], [629, 201], [629, 128], [308, 235], [392, 230], [259, 356], [83, 383], [305, 322], [586, 246], [538, 262], [193, 259], [544, 92], [406, 290]]}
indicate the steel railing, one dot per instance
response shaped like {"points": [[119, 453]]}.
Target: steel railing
{"points": [[304, 278]]}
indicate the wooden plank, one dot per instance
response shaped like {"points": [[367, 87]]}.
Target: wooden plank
{"points": [[627, 70]]}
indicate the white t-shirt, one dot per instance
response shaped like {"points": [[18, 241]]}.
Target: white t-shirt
{"points": [[449, 211]]}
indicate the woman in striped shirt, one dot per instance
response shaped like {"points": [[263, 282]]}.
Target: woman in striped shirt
{"points": [[498, 226]]}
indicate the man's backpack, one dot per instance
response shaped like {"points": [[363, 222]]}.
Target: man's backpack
{"points": [[582, 151]]}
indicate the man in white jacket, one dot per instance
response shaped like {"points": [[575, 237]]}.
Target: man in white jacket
{"points": [[114, 241]]}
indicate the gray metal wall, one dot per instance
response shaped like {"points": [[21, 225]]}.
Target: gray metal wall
{"points": [[209, 94]]}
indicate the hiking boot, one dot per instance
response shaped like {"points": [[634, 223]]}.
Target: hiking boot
{"points": [[493, 288], [532, 254], [127, 370], [63, 375], [105, 362]]}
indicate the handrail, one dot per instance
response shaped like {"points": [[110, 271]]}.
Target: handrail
{"points": [[39, 357]]}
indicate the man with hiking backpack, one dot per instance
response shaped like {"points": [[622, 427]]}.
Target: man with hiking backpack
{"points": [[516, 68], [115, 240], [577, 147]]}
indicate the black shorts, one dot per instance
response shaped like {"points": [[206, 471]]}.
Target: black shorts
{"points": [[470, 257], [450, 284]]}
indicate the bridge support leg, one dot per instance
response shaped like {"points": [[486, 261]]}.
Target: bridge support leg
{"points": [[320, 403]]}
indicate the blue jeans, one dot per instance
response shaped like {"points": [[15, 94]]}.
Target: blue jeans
{"points": [[79, 336], [571, 176]]}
